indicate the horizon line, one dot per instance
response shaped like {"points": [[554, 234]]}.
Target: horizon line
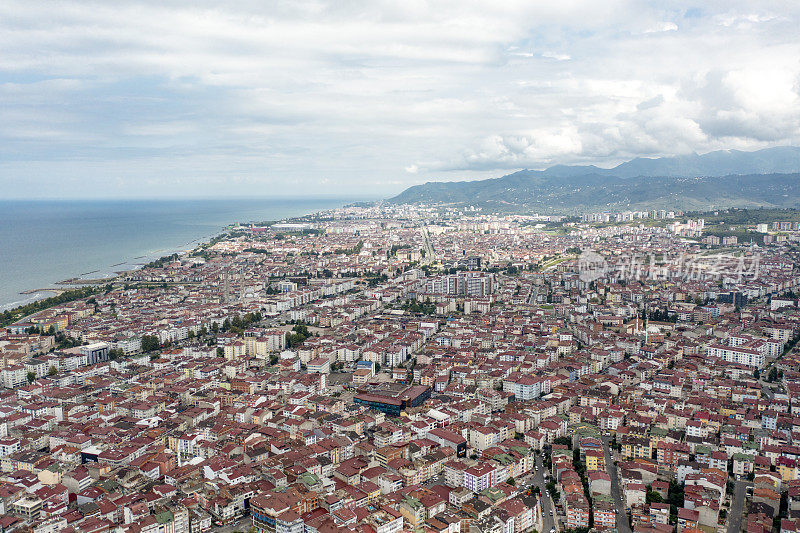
{"points": [[353, 198]]}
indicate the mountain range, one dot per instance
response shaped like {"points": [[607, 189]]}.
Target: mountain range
{"points": [[725, 178]]}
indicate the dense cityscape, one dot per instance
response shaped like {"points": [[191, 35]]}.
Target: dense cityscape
{"points": [[417, 368], [325, 266]]}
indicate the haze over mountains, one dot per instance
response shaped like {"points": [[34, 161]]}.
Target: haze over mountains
{"points": [[725, 178]]}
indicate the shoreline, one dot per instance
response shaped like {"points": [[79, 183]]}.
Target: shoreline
{"points": [[77, 282], [135, 263], [46, 289]]}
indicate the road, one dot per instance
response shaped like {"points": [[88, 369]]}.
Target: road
{"points": [[537, 480], [737, 506], [532, 301], [243, 524], [429, 253], [623, 526]]}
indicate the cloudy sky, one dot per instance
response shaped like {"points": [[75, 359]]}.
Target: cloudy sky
{"points": [[116, 98]]}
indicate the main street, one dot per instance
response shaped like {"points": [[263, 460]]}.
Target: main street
{"points": [[428, 248], [623, 526]]}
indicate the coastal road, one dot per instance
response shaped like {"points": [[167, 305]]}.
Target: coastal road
{"points": [[623, 526], [737, 506]]}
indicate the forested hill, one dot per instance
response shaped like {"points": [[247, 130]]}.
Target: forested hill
{"points": [[769, 178]]}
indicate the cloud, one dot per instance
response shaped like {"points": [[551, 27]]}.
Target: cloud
{"points": [[556, 56], [662, 27], [650, 103], [110, 97], [513, 151]]}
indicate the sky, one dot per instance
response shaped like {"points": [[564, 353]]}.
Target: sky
{"points": [[161, 98]]}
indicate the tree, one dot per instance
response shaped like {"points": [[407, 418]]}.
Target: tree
{"points": [[757, 374], [9, 316], [52, 371], [299, 335], [150, 343], [567, 441], [511, 481], [675, 499], [551, 488], [220, 351], [31, 377]]}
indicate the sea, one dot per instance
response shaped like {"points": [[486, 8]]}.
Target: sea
{"points": [[43, 242]]}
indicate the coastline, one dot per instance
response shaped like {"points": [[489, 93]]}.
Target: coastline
{"points": [[59, 287], [101, 273]]}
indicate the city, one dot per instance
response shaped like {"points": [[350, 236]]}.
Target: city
{"points": [[424, 368], [427, 266]]}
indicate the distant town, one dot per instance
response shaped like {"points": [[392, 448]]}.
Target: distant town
{"points": [[419, 368]]}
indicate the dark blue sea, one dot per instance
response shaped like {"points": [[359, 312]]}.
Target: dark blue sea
{"points": [[44, 242]]}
